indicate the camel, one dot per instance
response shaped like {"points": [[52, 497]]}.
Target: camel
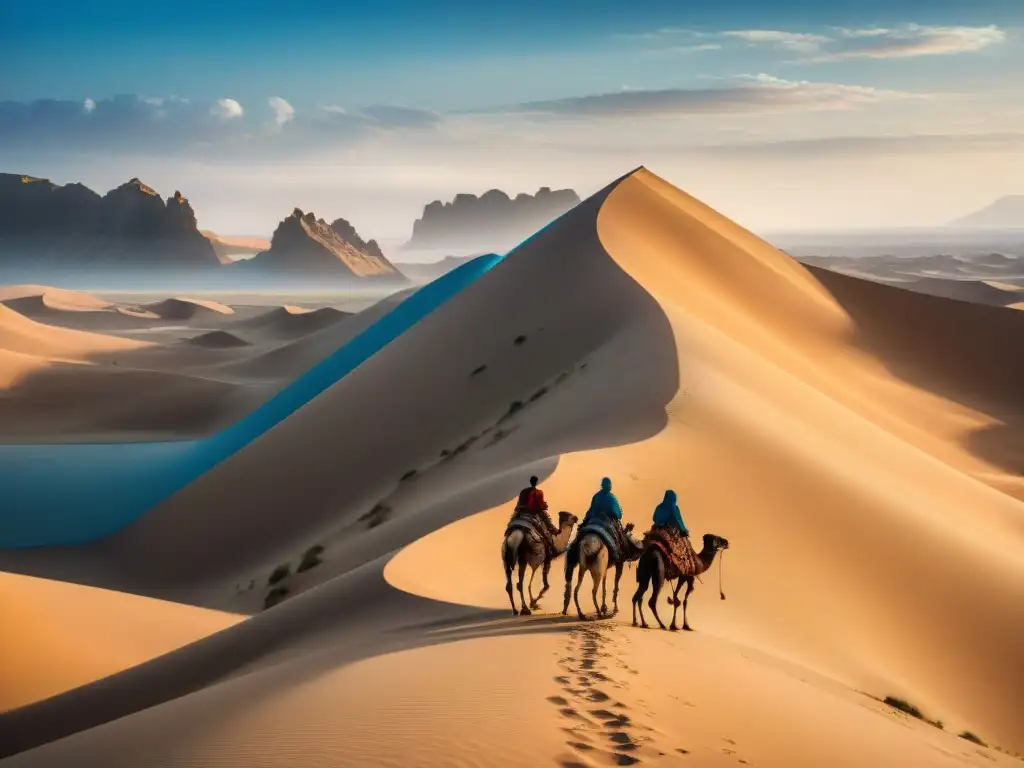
{"points": [[652, 565], [525, 550], [591, 554]]}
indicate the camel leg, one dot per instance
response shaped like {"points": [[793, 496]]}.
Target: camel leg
{"points": [[659, 582], [576, 593], [507, 561], [604, 593], [615, 591], [569, 569], [597, 583], [544, 587], [529, 587], [643, 579], [686, 597], [522, 577], [675, 604]]}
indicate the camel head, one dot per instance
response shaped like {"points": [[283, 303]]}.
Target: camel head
{"points": [[566, 519], [714, 543]]}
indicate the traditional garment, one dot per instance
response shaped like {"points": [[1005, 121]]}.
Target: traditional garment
{"points": [[681, 558], [531, 505], [603, 505], [667, 513]]}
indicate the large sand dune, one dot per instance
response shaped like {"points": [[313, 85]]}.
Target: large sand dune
{"points": [[859, 444]]}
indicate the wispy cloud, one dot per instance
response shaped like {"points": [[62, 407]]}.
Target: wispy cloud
{"points": [[914, 40], [835, 44], [752, 93], [801, 42]]}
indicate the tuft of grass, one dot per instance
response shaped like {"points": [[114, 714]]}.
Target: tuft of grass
{"points": [[478, 370], [519, 341], [310, 558], [407, 476], [973, 738], [910, 709], [376, 516], [275, 596], [279, 574], [513, 409]]}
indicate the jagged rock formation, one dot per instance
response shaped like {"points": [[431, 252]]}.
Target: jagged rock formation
{"points": [[491, 220], [44, 224], [305, 245]]}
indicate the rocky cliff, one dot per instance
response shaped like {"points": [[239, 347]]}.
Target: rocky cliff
{"points": [[305, 245], [44, 224], [492, 220]]}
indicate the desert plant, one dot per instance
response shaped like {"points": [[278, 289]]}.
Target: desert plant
{"points": [[310, 558], [279, 574], [275, 596], [972, 737]]}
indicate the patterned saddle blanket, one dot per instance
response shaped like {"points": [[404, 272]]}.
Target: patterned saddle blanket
{"points": [[610, 534], [680, 557], [531, 526]]}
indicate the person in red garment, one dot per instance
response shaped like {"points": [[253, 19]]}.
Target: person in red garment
{"points": [[531, 501]]}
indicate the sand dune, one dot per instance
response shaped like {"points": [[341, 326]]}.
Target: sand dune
{"points": [[20, 334], [217, 340], [70, 635], [289, 322], [859, 444], [188, 309]]}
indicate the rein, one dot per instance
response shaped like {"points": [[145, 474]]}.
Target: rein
{"points": [[721, 560]]}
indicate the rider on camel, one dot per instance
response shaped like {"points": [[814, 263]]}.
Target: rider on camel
{"points": [[604, 505], [667, 514], [531, 502]]}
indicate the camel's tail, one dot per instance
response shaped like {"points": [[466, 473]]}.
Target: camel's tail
{"points": [[588, 550]]}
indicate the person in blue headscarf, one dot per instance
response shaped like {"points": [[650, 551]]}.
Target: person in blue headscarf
{"points": [[667, 514], [604, 505]]}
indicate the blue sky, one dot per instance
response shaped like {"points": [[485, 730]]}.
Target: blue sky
{"points": [[382, 106]]}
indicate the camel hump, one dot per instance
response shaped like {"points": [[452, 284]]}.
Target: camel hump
{"points": [[606, 531]]}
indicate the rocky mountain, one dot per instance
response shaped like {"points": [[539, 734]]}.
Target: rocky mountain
{"points": [[493, 220], [305, 245], [1005, 213], [427, 271], [43, 224]]}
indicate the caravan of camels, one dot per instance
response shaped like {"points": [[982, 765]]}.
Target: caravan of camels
{"points": [[664, 554]]}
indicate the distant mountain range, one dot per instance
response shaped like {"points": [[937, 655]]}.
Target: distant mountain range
{"points": [[1005, 213], [493, 221], [42, 223]]}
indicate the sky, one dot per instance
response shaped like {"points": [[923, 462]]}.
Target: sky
{"points": [[787, 115]]}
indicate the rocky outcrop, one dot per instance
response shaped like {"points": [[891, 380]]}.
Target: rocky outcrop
{"points": [[44, 224], [491, 220], [305, 245]]}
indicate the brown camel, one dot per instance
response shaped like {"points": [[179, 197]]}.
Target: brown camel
{"points": [[592, 555], [524, 550], [653, 565]]}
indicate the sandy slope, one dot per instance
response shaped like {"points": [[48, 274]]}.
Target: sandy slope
{"points": [[824, 424], [67, 635]]}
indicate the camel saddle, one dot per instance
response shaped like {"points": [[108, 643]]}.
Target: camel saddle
{"points": [[531, 524], [680, 557], [611, 534]]}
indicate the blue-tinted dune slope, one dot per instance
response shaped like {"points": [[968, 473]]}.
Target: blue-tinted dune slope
{"points": [[67, 494]]}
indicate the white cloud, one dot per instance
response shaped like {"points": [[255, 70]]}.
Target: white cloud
{"points": [[88, 106], [226, 109], [912, 40], [283, 111], [800, 42]]}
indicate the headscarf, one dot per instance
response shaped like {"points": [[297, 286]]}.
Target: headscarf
{"points": [[669, 505]]}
